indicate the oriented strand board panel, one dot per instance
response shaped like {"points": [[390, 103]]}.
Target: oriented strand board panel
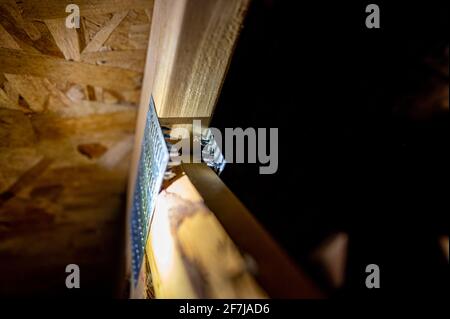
{"points": [[51, 9], [19, 62], [68, 106]]}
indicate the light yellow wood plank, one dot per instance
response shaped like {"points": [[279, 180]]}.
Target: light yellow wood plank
{"points": [[189, 53], [190, 254]]}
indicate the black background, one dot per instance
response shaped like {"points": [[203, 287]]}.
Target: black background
{"points": [[349, 159]]}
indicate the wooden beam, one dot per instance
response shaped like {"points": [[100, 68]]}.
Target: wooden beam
{"points": [[52, 9], [277, 274], [189, 252], [190, 47], [17, 62]]}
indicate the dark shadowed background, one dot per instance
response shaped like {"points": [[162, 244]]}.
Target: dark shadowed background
{"points": [[362, 117]]}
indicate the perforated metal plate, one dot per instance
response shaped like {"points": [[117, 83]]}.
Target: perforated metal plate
{"points": [[152, 165]]}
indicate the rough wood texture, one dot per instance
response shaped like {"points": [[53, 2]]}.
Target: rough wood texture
{"points": [[66, 39], [65, 153], [189, 51], [18, 62], [102, 35], [128, 59], [51, 9], [189, 252]]}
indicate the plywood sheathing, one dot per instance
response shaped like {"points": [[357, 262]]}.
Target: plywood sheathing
{"points": [[68, 102]]}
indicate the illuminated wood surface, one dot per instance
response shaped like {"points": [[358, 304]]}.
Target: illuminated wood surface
{"points": [[189, 51], [190, 254]]}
